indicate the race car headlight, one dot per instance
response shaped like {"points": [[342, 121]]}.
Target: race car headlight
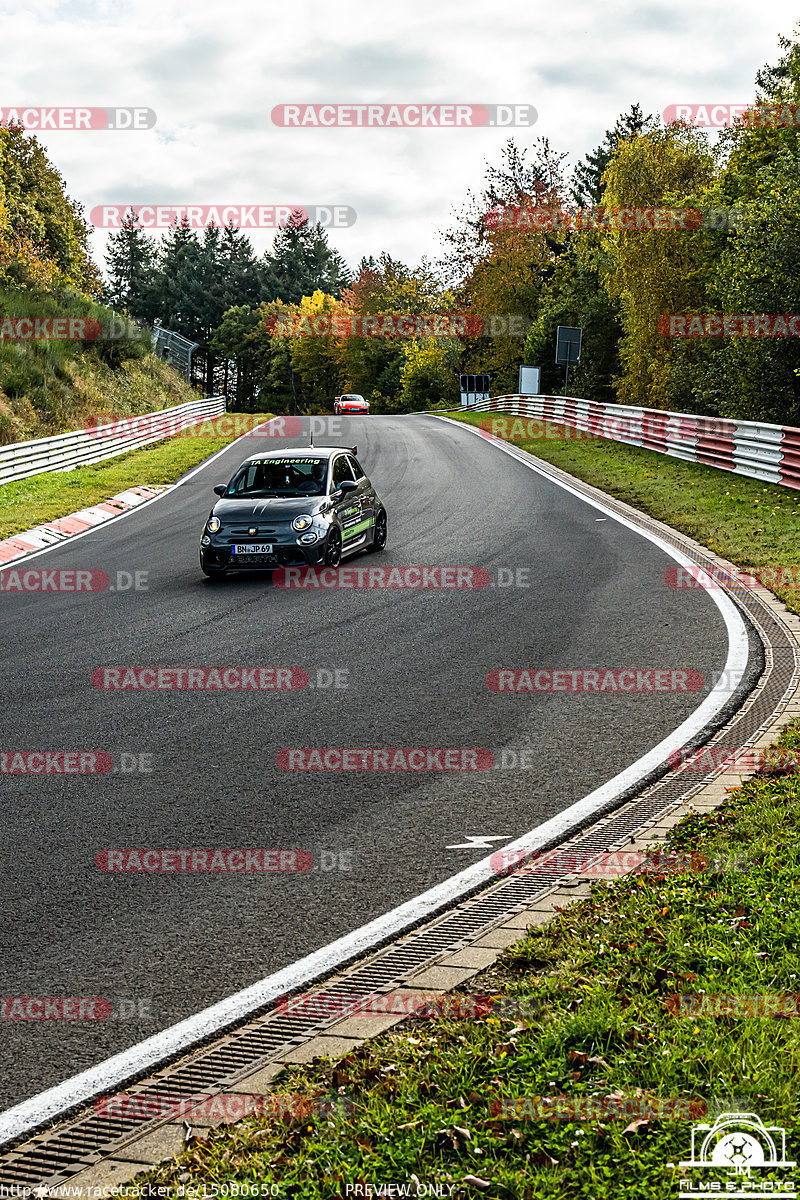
{"points": [[307, 539], [301, 522], [213, 524]]}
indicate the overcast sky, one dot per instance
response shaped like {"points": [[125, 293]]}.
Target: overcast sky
{"points": [[214, 72]]}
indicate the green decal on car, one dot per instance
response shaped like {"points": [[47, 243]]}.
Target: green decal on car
{"points": [[358, 528]]}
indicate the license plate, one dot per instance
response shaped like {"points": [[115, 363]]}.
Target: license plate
{"points": [[252, 548]]}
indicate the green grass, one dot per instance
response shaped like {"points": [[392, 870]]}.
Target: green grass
{"points": [[28, 502], [52, 385], [600, 976], [751, 523]]}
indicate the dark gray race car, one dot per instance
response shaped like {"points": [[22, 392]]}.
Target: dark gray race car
{"points": [[307, 507]]}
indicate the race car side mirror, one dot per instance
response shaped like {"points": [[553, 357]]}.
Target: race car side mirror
{"points": [[348, 485], [220, 489]]}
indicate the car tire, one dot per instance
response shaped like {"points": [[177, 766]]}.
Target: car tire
{"points": [[212, 572], [333, 549], [379, 536]]}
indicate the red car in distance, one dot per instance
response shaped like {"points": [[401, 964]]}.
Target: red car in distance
{"points": [[350, 402]]}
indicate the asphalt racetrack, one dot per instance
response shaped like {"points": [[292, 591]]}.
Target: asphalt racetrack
{"points": [[415, 662]]}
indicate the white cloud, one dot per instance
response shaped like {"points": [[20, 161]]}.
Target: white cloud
{"points": [[213, 74]]}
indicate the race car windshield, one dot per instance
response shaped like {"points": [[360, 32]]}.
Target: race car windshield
{"points": [[280, 477]]}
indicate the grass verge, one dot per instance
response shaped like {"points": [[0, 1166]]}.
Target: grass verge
{"points": [[753, 524], [600, 1022], [28, 502]]}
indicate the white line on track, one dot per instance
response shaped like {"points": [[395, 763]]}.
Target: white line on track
{"points": [[115, 1071]]}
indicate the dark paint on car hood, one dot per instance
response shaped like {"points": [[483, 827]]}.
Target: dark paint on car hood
{"points": [[270, 509]]}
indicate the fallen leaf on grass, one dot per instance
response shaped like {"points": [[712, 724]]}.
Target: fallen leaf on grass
{"points": [[540, 1158], [635, 1124], [476, 1181], [453, 1136]]}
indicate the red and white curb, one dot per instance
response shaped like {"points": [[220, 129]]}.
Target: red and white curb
{"points": [[51, 532]]}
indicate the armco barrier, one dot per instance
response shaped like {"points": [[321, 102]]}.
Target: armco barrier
{"points": [[85, 446], [753, 448]]}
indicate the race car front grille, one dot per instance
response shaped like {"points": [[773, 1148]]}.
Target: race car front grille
{"points": [[240, 533]]}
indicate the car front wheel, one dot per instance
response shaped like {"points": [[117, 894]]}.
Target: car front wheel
{"points": [[333, 550], [379, 536]]}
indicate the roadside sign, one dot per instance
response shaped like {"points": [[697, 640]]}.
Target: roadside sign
{"points": [[568, 348], [528, 381], [568, 345], [474, 388]]}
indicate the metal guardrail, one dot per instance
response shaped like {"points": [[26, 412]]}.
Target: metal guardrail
{"points": [[177, 350], [82, 447], [753, 448]]}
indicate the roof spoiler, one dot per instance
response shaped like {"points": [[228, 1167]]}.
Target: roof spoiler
{"points": [[352, 449]]}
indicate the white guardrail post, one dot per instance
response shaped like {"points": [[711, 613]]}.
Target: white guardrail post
{"points": [[84, 446], [753, 448]]}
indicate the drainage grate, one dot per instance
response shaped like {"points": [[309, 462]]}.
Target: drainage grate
{"points": [[60, 1153]]}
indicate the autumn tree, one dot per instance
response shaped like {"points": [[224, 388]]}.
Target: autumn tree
{"points": [[497, 260], [650, 273], [44, 238]]}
